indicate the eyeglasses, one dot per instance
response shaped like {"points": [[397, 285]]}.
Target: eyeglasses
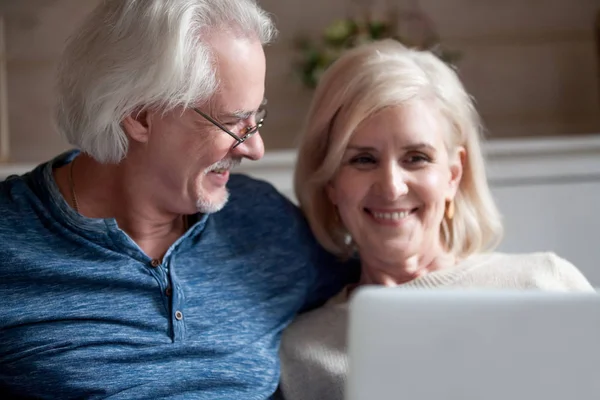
{"points": [[248, 131]]}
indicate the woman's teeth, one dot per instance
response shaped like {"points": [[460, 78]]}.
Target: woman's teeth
{"points": [[396, 215]]}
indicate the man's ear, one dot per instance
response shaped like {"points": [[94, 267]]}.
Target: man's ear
{"points": [[457, 164], [136, 126]]}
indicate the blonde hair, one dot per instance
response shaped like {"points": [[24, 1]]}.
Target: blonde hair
{"points": [[363, 81]]}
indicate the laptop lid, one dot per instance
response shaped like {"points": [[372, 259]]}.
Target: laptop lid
{"points": [[473, 345]]}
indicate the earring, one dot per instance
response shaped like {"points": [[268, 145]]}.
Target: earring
{"points": [[450, 209]]}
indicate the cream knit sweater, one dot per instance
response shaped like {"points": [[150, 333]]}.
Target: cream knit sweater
{"points": [[313, 348]]}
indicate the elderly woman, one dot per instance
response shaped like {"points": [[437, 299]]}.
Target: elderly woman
{"points": [[390, 169]]}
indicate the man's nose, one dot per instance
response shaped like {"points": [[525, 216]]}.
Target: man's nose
{"points": [[253, 148]]}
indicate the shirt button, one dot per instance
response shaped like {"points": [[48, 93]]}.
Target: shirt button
{"points": [[154, 263], [168, 291], [178, 315]]}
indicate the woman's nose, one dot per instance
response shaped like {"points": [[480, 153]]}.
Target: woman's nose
{"points": [[392, 183]]}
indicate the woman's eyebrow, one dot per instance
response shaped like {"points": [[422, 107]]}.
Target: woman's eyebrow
{"points": [[419, 146], [361, 148], [409, 147]]}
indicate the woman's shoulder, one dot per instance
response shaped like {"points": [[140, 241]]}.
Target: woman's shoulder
{"points": [[541, 270], [313, 354], [325, 324], [317, 334]]}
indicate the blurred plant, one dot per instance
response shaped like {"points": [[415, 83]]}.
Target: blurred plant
{"points": [[413, 29]]}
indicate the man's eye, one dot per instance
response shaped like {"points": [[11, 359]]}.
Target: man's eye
{"points": [[232, 124]]}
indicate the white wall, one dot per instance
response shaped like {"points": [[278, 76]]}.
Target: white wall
{"points": [[548, 191]]}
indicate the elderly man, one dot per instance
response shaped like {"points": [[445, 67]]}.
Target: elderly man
{"points": [[118, 276]]}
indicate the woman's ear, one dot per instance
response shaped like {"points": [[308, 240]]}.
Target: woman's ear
{"points": [[137, 126], [331, 193], [457, 163]]}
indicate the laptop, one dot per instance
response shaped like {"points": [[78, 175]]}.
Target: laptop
{"points": [[473, 345]]}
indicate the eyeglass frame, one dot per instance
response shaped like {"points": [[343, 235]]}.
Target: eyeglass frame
{"points": [[250, 130]]}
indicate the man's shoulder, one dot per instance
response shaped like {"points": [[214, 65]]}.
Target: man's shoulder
{"points": [[241, 185], [19, 221], [258, 197], [256, 207], [257, 210], [15, 196]]}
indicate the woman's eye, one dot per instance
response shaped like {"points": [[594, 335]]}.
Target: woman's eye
{"points": [[417, 159], [362, 160]]}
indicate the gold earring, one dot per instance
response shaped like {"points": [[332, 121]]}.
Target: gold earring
{"points": [[450, 209]]}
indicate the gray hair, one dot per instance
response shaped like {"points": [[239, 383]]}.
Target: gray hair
{"points": [[131, 55]]}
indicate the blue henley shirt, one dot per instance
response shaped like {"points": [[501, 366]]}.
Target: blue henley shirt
{"points": [[84, 313]]}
